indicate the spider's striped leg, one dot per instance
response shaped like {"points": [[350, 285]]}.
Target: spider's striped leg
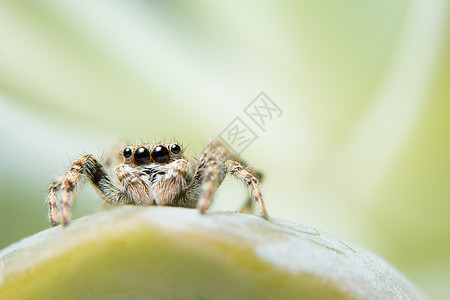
{"points": [[61, 191], [52, 201], [209, 175], [217, 147], [235, 169], [248, 207], [60, 194]]}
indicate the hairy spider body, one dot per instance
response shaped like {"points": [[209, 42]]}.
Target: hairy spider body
{"points": [[154, 174]]}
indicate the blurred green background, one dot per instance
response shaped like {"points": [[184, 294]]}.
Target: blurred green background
{"points": [[362, 149]]}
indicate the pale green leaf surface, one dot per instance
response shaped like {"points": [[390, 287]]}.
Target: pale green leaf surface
{"points": [[176, 253]]}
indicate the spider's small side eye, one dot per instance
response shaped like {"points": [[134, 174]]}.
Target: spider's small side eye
{"points": [[160, 154], [175, 148], [127, 152], [142, 155]]}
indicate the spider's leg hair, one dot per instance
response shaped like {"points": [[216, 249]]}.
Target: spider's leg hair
{"points": [[235, 169], [212, 173], [52, 201], [61, 191]]}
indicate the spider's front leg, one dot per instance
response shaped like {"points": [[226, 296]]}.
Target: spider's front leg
{"points": [[215, 146], [60, 193], [242, 171], [210, 175]]}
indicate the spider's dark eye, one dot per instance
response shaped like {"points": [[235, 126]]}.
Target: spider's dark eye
{"points": [[127, 152], [175, 148], [142, 155], [160, 154]]}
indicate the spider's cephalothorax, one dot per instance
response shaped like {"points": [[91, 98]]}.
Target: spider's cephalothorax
{"points": [[154, 174]]}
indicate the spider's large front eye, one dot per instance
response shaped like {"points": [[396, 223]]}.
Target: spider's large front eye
{"points": [[160, 154], [142, 155], [175, 148], [127, 152]]}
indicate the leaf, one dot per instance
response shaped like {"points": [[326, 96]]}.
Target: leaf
{"points": [[177, 253]]}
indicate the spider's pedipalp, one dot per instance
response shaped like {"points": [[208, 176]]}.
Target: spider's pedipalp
{"points": [[172, 183], [136, 186]]}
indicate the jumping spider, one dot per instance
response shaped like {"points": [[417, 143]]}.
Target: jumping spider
{"points": [[154, 174]]}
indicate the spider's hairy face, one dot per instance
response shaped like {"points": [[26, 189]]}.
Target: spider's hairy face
{"points": [[148, 154]]}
